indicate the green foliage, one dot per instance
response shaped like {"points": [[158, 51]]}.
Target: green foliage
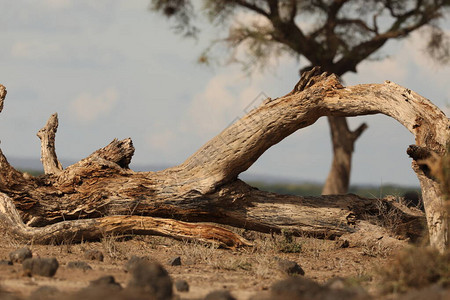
{"points": [[303, 189], [314, 189], [32, 172], [382, 191]]}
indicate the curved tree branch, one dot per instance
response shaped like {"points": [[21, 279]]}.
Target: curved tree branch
{"points": [[205, 187], [251, 6], [244, 141]]}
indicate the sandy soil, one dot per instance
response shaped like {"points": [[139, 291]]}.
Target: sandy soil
{"points": [[243, 272]]}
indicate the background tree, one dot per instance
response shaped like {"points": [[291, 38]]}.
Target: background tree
{"points": [[334, 34]]}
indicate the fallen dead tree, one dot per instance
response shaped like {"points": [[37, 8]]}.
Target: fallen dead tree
{"points": [[101, 195]]}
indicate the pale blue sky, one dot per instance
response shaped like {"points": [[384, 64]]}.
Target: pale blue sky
{"points": [[113, 69]]}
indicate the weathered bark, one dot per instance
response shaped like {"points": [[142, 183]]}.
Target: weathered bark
{"points": [[343, 141], [205, 187], [2, 96], [433, 168], [93, 229], [48, 153]]}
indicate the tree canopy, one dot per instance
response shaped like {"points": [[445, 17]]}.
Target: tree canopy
{"points": [[334, 34]]}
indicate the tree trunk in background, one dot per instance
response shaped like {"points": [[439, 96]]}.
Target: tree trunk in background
{"points": [[343, 141]]}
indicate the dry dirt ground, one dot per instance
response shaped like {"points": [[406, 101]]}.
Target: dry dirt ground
{"points": [[244, 272]]}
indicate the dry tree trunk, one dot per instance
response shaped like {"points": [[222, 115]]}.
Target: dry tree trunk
{"points": [[101, 194], [343, 141]]}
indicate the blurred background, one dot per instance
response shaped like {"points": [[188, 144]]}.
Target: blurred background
{"points": [[114, 69]]}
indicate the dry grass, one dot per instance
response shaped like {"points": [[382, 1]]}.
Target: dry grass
{"points": [[258, 261], [288, 243], [388, 217], [196, 252], [10, 239], [262, 266], [313, 247], [376, 248], [199, 253], [415, 268], [112, 246]]}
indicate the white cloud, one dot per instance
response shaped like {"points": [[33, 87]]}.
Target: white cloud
{"points": [[416, 47], [58, 4], [64, 4], [230, 95], [35, 49], [212, 109], [162, 140], [391, 68], [88, 107], [226, 98], [251, 18]]}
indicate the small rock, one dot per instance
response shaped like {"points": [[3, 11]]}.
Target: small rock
{"points": [[219, 295], [295, 288], [106, 281], [433, 292], [303, 288], [93, 255], [104, 287], [129, 265], [290, 267], [336, 283], [151, 278], [79, 265], [181, 285], [40, 266], [4, 262], [8, 296], [176, 261], [44, 293], [20, 255]]}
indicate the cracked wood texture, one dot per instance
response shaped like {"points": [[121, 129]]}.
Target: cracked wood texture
{"points": [[205, 188], [48, 155]]}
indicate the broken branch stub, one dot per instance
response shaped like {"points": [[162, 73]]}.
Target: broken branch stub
{"points": [[2, 96], [47, 136]]}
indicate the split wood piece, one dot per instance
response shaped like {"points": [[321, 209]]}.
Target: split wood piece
{"points": [[95, 229]]}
